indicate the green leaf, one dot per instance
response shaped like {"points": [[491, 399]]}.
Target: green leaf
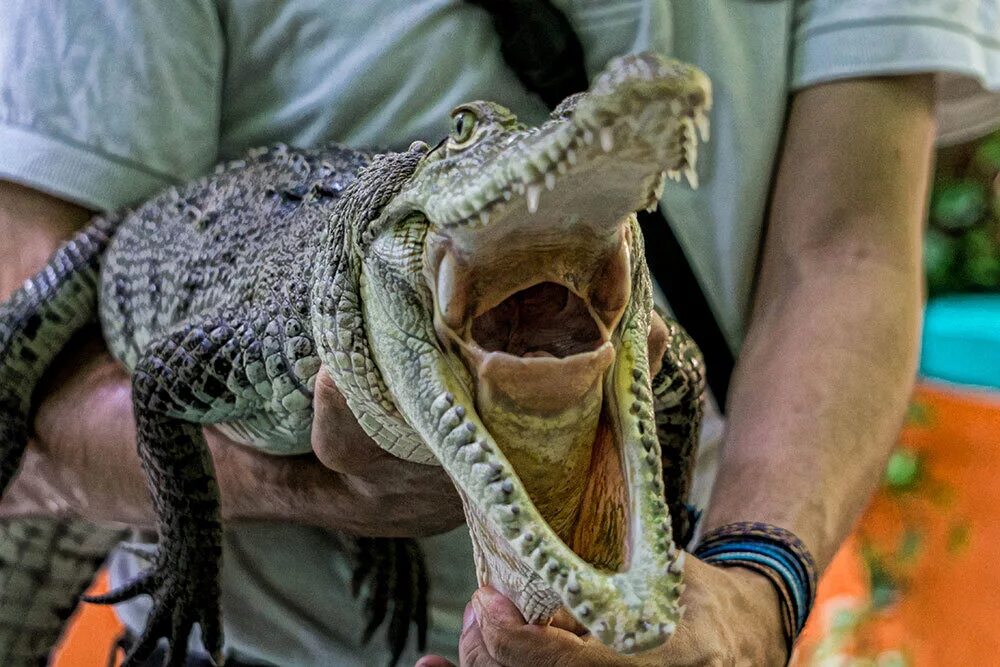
{"points": [[904, 470], [892, 658], [958, 537], [979, 243], [983, 272], [958, 204], [940, 253], [919, 414], [909, 545], [987, 155], [844, 620]]}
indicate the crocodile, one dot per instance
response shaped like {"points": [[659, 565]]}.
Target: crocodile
{"points": [[483, 305]]}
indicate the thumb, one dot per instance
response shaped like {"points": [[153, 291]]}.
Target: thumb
{"points": [[495, 609], [434, 661]]}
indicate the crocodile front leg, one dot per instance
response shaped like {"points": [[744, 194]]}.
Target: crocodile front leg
{"points": [[393, 572], [209, 372], [183, 581]]}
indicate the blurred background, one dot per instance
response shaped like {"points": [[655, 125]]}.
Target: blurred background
{"points": [[910, 587]]}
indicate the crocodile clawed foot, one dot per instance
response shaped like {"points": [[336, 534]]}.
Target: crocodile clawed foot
{"points": [[185, 591], [392, 571]]}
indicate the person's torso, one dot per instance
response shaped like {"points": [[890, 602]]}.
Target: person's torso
{"points": [[384, 74]]}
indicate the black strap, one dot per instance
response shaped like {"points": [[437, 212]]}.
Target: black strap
{"points": [[675, 277], [539, 44]]}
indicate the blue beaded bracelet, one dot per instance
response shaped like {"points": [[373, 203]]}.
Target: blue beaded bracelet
{"points": [[773, 552]]}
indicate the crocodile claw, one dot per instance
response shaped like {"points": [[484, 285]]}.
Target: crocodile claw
{"points": [[392, 571], [184, 590]]}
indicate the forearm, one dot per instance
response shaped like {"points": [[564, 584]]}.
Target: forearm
{"points": [[829, 359], [806, 445], [32, 226], [84, 462]]}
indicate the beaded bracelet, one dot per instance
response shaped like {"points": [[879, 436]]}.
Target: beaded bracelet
{"points": [[773, 552]]}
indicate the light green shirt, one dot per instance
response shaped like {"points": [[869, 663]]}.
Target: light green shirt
{"points": [[106, 102]]}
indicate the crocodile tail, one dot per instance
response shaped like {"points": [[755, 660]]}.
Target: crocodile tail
{"points": [[44, 563], [36, 323]]}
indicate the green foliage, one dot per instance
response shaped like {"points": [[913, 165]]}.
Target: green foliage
{"points": [[958, 204], [903, 471], [958, 537], [962, 248]]}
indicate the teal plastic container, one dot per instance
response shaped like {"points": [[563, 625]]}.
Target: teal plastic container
{"points": [[961, 342]]}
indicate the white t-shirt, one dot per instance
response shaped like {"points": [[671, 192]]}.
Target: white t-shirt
{"points": [[105, 103]]}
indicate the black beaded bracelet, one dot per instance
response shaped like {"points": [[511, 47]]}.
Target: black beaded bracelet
{"points": [[773, 552]]}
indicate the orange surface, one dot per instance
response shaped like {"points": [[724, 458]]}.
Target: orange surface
{"points": [[948, 612], [91, 634]]}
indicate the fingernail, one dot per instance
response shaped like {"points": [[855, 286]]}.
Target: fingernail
{"points": [[470, 616], [478, 604]]}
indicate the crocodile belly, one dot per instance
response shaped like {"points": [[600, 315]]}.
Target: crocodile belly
{"points": [[268, 436]]}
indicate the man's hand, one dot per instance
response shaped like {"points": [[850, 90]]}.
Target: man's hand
{"points": [[496, 634]]}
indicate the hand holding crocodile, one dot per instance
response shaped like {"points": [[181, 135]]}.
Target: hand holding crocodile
{"points": [[83, 463], [732, 618]]}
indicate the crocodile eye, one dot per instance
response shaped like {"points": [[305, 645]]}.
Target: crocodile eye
{"points": [[463, 125]]}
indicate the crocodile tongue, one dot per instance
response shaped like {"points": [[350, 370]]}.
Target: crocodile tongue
{"points": [[544, 413]]}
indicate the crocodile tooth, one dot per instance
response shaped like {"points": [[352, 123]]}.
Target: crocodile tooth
{"points": [[690, 134], [607, 139], [660, 182], [692, 177], [701, 121], [534, 193], [588, 137], [562, 167], [571, 156], [550, 181], [506, 195], [518, 187], [484, 217]]}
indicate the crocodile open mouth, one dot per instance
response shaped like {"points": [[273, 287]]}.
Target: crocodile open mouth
{"points": [[535, 393], [536, 335]]}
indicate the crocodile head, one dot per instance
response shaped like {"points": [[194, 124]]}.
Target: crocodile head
{"points": [[507, 305]]}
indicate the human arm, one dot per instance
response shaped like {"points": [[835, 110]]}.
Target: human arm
{"points": [[822, 380], [83, 461]]}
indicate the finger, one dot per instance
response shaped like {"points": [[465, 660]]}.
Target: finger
{"points": [[434, 661], [510, 640], [565, 621], [337, 439], [657, 342], [472, 651]]}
